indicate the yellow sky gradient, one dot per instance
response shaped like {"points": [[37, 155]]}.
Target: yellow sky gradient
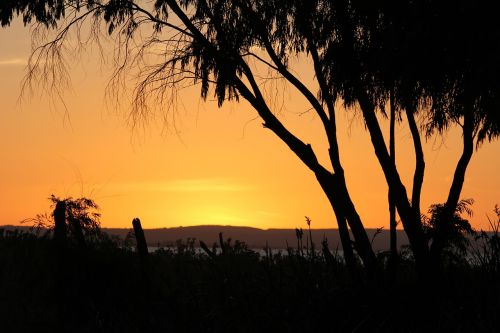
{"points": [[215, 166]]}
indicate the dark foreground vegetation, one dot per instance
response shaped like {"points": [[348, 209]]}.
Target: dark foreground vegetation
{"points": [[106, 285]]}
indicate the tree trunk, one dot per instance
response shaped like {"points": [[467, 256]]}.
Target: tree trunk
{"points": [[362, 242], [333, 185], [450, 207], [418, 176], [336, 190], [392, 206], [339, 211], [463, 163]]}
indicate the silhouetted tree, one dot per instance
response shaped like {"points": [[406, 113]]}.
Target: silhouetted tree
{"points": [[450, 77], [77, 220], [422, 57], [362, 52]]}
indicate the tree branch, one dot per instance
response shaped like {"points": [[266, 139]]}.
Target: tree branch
{"points": [[331, 126], [418, 176]]}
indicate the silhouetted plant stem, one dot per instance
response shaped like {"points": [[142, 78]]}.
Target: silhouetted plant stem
{"points": [[312, 252], [329, 258], [299, 234]]}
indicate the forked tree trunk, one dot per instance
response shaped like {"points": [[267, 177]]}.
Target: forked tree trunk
{"points": [[411, 224]]}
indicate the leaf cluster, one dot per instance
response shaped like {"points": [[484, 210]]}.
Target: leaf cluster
{"points": [[47, 12]]}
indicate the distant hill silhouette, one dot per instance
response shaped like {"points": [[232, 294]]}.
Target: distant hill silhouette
{"points": [[255, 238]]}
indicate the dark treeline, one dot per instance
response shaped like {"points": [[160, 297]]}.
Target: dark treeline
{"points": [[254, 238]]}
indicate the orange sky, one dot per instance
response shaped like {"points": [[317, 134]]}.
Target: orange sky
{"points": [[221, 167]]}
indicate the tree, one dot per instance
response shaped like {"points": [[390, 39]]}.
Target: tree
{"points": [[363, 54], [423, 54], [75, 219]]}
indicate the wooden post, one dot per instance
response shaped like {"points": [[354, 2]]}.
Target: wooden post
{"points": [[142, 246], [60, 228]]}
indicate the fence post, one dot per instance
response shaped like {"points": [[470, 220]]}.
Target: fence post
{"points": [[60, 228], [142, 246]]}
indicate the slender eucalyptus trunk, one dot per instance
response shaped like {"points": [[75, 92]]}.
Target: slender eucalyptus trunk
{"points": [[450, 207], [392, 206], [336, 190], [418, 176], [362, 243], [328, 186], [333, 184], [463, 163]]}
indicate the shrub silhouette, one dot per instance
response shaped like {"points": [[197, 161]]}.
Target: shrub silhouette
{"points": [[450, 233], [486, 252], [74, 220]]}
